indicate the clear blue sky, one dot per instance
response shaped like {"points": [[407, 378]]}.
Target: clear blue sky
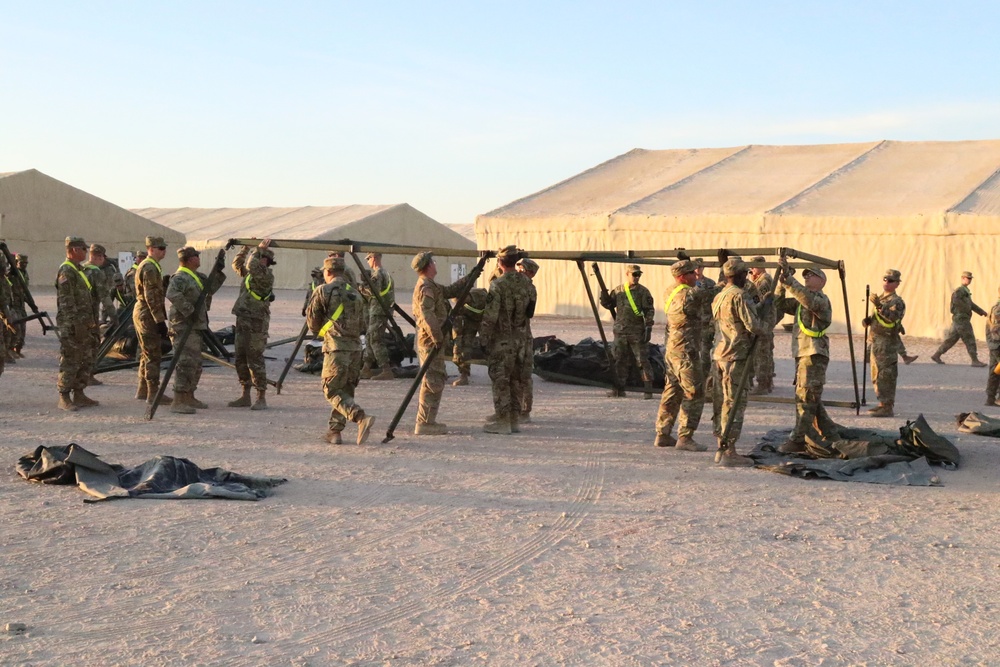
{"points": [[458, 108]]}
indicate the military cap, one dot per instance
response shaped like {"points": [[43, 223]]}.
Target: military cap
{"points": [[893, 275], [155, 242], [682, 266], [816, 272], [142, 253], [699, 261], [21, 257], [967, 274], [98, 248], [267, 252], [528, 264], [75, 242], [376, 255], [733, 266], [187, 252], [758, 258], [334, 263], [421, 260], [633, 268]]}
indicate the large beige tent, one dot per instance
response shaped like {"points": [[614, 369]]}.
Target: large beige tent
{"points": [[39, 212], [929, 209], [211, 228]]}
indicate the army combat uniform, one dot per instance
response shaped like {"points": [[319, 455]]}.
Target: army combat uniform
{"points": [[993, 343], [19, 302], [253, 318], [6, 301], [465, 329], [884, 326], [76, 324], [763, 362], [527, 375], [375, 351], [150, 320], [962, 308], [634, 312]]}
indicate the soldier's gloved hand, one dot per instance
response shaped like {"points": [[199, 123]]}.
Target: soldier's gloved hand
{"points": [[161, 328], [723, 255], [682, 255], [874, 299], [867, 322]]}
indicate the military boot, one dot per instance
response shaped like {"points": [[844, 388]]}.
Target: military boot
{"points": [[499, 427], [907, 359], [992, 387], [65, 402], [181, 405], [152, 390], [365, 428], [728, 458], [194, 402], [462, 380], [261, 402], [936, 358], [525, 418], [386, 374], [664, 440], [976, 363], [142, 391], [687, 444], [515, 426], [492, 418], [81, 400], [93, 381], [366, 371], [791, 446], [647, 391], [243, 401], [430, 428], [883, 410], [333, 437], [616, 393]]}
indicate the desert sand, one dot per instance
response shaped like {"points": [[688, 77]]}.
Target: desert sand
{"points": [[574, 542]]}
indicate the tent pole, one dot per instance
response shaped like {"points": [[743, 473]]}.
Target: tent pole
{"points": [[850, 336], [615, 382]]}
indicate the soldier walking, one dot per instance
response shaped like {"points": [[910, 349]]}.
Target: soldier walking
{"points": [[76, 324], [962, 308], [993, 343], [634, 312], [375, 350], [253, 318], [884, 325], [529, 267], [186, 285], [150, 319], [335, 313]]}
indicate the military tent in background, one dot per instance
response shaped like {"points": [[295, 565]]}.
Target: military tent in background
{"points": [[929, 209], [39, 212], [211, 228]]}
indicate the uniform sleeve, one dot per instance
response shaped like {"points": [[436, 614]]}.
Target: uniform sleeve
{"points": [[814, 302], [316, 311], [240, 261], [153, 292], [892, 310], [648, 308], [66, 301], [261, 280], [425, 302], [453, 290], [490, 316], [747, 315], [179, 297], [993, 324]]}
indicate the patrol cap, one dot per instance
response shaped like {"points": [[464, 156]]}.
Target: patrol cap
{"points": [[21, 257], [509, 252], [187, 252], [633, 269], [528, 264], [680, 267], [758, 258], [893, 275], [267, 252], [141, 253], [733, 266], [376, 255], [421, 260], [98, 248], [155, 242], [816, 272], [967, 274], [75, 242], [699, 262], [334, 263]]}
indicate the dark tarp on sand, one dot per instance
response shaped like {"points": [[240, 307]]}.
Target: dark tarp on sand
{"points": [[161, 477], [978, 424], [863, 455]]}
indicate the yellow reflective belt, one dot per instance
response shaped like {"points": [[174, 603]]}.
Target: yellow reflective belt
{"points": [[333, 318], [134, 267], [246, 283], [194, 275], [477, 311], [631, 301], [154, 263], [9, 282], [82, 274], [806, 330], [673, 294], [886, 323], [387, 288]]}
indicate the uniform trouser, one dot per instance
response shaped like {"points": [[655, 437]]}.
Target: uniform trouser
{"points": [[76, 358], [22, 328], [505, 362], [960, 330], [341, 372], [763, 363], [462, 351], [432, 385], [187, 371], [708, 372], [527, 371], [627, 347], [993, 380], [724, 396], [809, 411], [376, 352], [251, 339], [683, 394], [885, 369], [150, 355]]}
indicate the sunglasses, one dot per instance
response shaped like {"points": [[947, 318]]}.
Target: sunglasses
{"points": [[889, 280], [637, 274]]}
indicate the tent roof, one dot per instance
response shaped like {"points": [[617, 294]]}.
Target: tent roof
{"points": [[865, 179]]}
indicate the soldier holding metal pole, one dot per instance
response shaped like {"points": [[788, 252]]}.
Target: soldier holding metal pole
{"points": [[633, 328]]}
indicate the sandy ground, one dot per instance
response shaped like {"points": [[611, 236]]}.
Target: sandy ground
{"points": [[575, 542]]}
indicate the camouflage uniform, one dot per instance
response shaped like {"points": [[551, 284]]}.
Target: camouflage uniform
{"points": [[735, 322], [634, 312], [336, 312], [707, 339], [76, 324], [884, 327], [811, 351], [315, 280], [465, 327], [962, 308], [182, 293], [376, 350], [993, 343], [6, 301], [253, 315], [527, 381], [502, 332], [115, 283], [149, 318], [129, 286], [763, 362], [19, 301]]}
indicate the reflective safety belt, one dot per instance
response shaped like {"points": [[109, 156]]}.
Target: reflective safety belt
{"points": [[333, 318], [246, 283], [631, 301], [670, 298], [387, 288], [716, 308], [134, 267], [884, 322], [806, 330], [82, 274], [477, 311], [194, 275], [154, 263]]}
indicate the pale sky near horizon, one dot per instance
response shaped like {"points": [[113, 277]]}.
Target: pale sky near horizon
{"points": [[459, 108]]}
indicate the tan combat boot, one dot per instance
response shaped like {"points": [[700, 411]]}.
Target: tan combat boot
{"points": [[142, 391], [462, 380], [65, 402], [936, 358], [152, 390], [525, 418], [499, 427], [243, 401], [430, 428], [687, 444], [909, 360], [728, 458], [261, 402], [333, 437], [977, 364], [194, 402], [365, 428], [883, 410], [386, 374], [81, 400], [647, 391], [92, 381], [366, 371], [792, 447], [181, 405], [665, 440]]}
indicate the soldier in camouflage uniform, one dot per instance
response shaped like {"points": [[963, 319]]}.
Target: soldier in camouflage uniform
{"points": [[186, 285], [962, 308], [736, 322], [510, 305], [376, 352], [150, 319], [430, 310], [335, 314], [253, 317], [634, 312], [315, 280], [104, 284], [707, 332], [19, 300], [993, 343], [811, 350], [763, 362], [465, 329], [884, 325], [76, 324], [529, 267], [129, 287], [6, 311]]}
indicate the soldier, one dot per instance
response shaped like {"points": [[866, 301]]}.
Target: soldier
{"points": [[510, 305], [962, 308], [150, 319], [736, 323], [810, 349], [763, 362], [684, 383], [634, 311], [529, 267], [19, 300], [315, 280], [465, 329], [335, 314], [186, 285], [884, 325], [130, 274], [76, 324], [707, 329], [993, 343], [376, 350], [253, 317], [104, 287], [6, 314], [430, 310]]}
